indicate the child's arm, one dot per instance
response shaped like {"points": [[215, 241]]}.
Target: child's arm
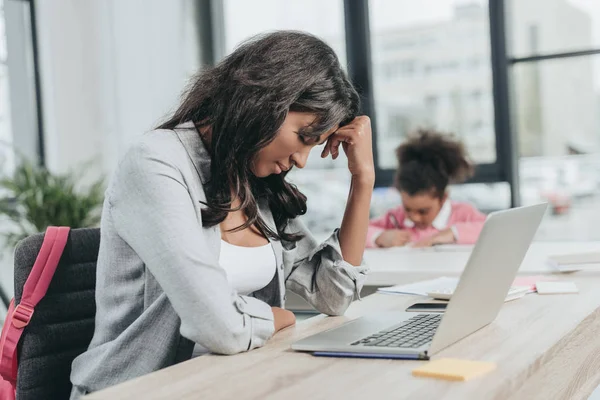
{"points": [[378, 225], [465, 230], [470, 225]]}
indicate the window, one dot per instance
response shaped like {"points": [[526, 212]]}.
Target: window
{"points": [[439, 50], [431, 105], [552, 26], [557, 111], [6, 153], [18, 110], [557, 106], [430, 66], [474, 63], [476, 96], [324, 19]]}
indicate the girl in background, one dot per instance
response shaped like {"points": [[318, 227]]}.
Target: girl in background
{"points": [[427, 163]]}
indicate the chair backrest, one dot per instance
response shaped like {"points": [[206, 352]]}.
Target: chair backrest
{"points": [[62, 325]]}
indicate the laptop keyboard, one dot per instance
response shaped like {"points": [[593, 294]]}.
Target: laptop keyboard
{"points": [[413, 333]]}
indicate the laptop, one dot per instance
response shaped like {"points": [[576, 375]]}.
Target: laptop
{"points": [[477, 299]]}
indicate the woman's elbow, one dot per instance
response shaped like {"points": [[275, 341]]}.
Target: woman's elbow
{"points": [[335, 308], [227, 348], [220, 340]]}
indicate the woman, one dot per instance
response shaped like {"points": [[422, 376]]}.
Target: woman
{"points": [[199, 231]]}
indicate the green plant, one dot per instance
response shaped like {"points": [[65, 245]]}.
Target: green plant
{"points": [[33, 198]]}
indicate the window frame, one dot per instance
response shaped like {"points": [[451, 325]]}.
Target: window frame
{"points": [[358, 43], [541, 57], [360, 70]]}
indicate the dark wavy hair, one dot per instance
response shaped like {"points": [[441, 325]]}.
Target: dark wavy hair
{"points": [[428, 161], [243, 102]]}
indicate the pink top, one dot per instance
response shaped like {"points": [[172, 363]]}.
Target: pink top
{"points": [[464, 219]]}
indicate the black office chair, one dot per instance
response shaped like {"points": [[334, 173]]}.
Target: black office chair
{"points": [[63, 323]]}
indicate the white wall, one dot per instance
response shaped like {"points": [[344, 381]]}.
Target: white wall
{"points": [[111, 69]]}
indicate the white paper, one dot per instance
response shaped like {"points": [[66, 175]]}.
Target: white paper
{"points": [[575, 262], [556, 287], [576, 258], [574, 267], [453, 247], [421, 288], [450, 248]]}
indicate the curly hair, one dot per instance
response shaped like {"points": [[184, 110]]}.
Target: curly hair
{"points": [[429, 161]]}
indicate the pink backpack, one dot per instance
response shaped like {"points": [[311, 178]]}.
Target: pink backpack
{"points": [[18, 316]]}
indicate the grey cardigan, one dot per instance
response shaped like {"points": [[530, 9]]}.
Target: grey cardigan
{"points": [[159, 286]]}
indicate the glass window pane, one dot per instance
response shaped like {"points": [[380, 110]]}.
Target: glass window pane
{"points": [[571, 186], [6, 153], [431, 68], [324, 19], [2, 34], [552, 26], [557, 104]]}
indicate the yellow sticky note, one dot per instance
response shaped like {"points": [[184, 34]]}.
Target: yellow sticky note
{"points": [[452, 369]]}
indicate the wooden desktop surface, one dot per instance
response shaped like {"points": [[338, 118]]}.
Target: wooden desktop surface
{"points": [[545, 347]]}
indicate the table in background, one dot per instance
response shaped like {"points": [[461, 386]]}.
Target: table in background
{"points": [[393, 266], [398, 266]]}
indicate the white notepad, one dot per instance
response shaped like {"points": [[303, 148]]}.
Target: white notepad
{"points": [[428, 287], [420, 288], [556, 287], [575, 262]]}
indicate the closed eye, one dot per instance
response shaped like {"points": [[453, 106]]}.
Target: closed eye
{"points": [[309, 139], [301, 137]]}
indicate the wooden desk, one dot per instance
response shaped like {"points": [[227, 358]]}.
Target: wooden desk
{"points": [[546, 347]]}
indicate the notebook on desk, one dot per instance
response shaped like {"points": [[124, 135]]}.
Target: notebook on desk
{"points": [[443, 288], [479, 295], [575, 262]]}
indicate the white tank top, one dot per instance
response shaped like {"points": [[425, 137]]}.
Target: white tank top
{"points": [[248, 269]]}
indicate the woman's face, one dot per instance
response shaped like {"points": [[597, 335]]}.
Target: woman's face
{"points": [[289, 148], [422, 208]]}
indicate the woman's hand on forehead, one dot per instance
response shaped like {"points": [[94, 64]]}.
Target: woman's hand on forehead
{"points": [[356, 141]]}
